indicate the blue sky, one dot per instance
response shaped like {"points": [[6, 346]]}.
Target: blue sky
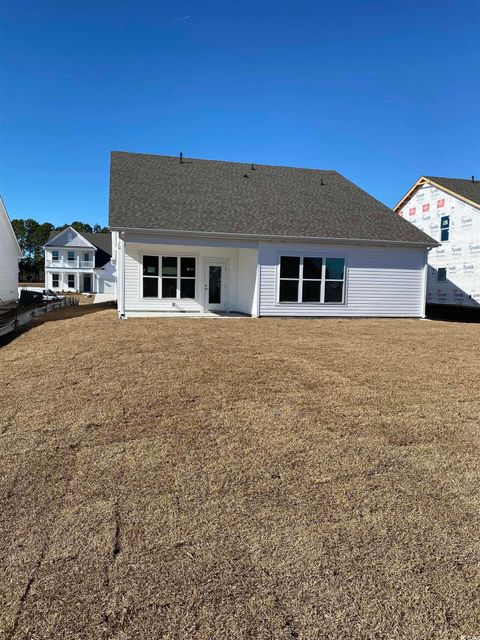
{"points": [[381, 91]]}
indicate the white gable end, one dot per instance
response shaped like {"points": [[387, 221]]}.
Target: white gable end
{"points": [[69, 238]]}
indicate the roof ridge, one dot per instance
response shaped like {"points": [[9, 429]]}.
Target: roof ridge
{"points": [[186, 159]]}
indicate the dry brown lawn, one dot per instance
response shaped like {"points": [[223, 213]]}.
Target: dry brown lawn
{"points": [[214, 479]]}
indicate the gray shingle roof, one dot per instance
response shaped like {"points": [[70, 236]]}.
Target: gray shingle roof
{"points": [[465, 188], [158, 192]]}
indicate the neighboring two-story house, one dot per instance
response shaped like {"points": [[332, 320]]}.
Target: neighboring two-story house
{"points": [[448, 209], [81, 262]]}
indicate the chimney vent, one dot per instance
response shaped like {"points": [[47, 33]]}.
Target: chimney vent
{"points": [[181, 157]]}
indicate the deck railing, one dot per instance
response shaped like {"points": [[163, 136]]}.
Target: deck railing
{"points": [[70, 264]]}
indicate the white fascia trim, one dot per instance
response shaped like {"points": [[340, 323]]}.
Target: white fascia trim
{"points": [[253, 236]]}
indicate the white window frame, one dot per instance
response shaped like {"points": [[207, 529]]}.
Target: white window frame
{"points": [[300, 279], [57, 276], [72, 259], [55, 255], [71, 286], [178, 277]]}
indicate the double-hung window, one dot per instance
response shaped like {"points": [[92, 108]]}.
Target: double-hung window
{"points": [[168, 277], [306, 279], [55, 280], [71, 256], [71, 281], [55, 256]]}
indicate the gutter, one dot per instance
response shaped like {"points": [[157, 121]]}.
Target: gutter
{"points": [[258, 237]]}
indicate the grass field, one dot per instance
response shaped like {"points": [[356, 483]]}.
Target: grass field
{"points": [[274, 479]]}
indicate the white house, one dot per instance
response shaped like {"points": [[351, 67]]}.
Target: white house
{"points": [[448, 209], [82, 262], [201, 237], [10, 254]]}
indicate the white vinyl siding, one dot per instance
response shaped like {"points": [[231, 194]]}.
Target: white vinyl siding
{"points": [[379, 281], [9, 255]]}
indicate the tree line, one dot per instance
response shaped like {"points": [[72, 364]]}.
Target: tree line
{"points": [[32, 235]]}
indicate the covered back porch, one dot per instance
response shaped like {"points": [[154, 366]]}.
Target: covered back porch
{"points": [[179, 276]]}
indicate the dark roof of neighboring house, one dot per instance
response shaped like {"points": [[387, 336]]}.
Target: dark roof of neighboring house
{"points": [[207, 196], [101, 241], [465, 188]]}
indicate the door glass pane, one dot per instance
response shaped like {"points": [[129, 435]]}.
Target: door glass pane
{"points": [[312, 268], [333, 291], [169, 266], [187, 267], [214, 285], [289, 267], [334, 268], [169, 287], [288, 290], [187, 288], [311, 291]]}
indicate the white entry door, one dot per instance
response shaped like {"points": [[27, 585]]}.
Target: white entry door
{"points": [[215, 286]]}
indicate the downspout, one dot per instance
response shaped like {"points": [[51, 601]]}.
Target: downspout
{"points": [[121, 269], [259, 279]]}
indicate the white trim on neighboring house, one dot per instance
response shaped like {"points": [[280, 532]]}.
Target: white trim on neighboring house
{"points": [[422, 182]]}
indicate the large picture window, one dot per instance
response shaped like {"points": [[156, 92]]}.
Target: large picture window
{"points": [[168, 277], [311, 279]]}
